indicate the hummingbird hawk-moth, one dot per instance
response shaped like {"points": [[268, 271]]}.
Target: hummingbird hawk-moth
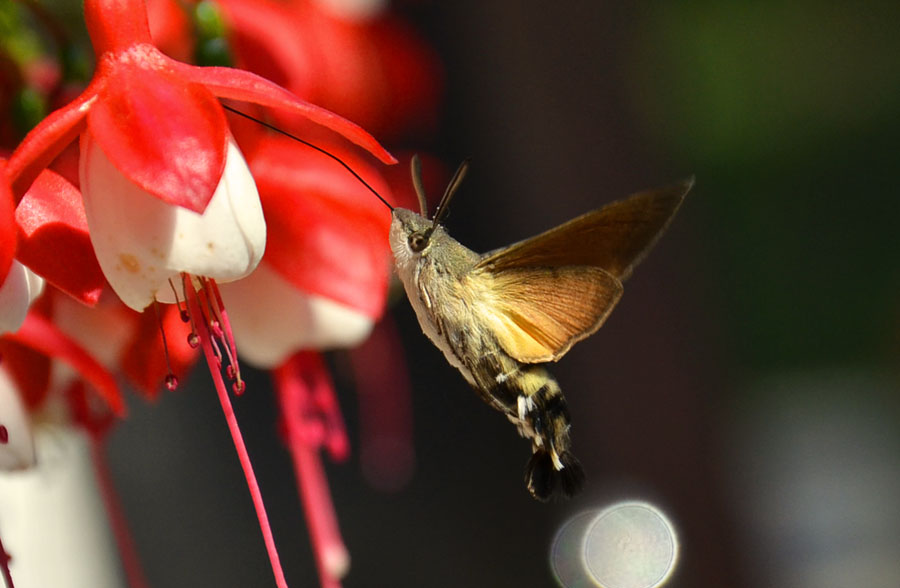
{"points": [[498, 317]]}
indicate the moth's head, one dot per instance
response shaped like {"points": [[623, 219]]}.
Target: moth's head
{"points": [[410, 234]]}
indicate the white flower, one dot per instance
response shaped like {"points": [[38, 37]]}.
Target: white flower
{"points": [[142, 242], [272, 319]]}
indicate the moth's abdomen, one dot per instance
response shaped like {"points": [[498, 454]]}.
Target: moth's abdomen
{"points": [[542, 415], [543, 479]]}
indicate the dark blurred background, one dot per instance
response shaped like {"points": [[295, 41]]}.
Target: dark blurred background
{"points": [[747, 382]]}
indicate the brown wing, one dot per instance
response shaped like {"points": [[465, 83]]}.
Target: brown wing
{"points": [[614, 238], [538, 314]]}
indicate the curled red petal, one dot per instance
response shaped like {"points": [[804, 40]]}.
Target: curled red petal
{"points": [[327, 234], [242, 85], [47, 140], [53, 238], [165, 134], [40, 334]]}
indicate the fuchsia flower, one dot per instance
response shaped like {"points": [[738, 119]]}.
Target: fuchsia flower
{"points": [[170, 204], [153, 126]]}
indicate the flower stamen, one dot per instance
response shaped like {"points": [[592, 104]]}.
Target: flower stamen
{"points": [[233, 371], [182, 310], [171, 379], [194, 300]]}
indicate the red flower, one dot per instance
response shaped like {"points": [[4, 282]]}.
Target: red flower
{"points": [[152, 126]]}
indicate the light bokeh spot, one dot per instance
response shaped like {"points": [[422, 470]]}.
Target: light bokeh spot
{"points": [[630, 545]]}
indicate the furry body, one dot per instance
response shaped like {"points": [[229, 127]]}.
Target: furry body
{"points": [[454, 305]]}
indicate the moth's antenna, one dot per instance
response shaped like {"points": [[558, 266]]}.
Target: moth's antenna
{"points": [[450, 191], [308, 144], [415, 167]]}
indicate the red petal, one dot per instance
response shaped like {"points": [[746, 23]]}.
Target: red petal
{"points": [[40, 334], [54, 240], [7, 225], [47, 140], [242, 85], [266, 40], [327, 234], [166, 135]]}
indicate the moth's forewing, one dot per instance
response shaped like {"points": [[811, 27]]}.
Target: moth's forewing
{"points": [[614, 238], [555, 289], [537, 314]]}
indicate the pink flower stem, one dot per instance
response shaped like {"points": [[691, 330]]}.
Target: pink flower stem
{"points": [[4, 565], [294, 395], [205, 342], [124, 541]]}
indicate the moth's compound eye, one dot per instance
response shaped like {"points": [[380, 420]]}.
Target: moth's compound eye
{"points": [[418, 241]]}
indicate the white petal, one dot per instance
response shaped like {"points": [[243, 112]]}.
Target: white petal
{"points": [[271, 319], [18, 451], [142, 242], [21, 287], [54, 524]]}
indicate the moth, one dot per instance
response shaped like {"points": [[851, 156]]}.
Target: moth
{"points": [[499, 317]]}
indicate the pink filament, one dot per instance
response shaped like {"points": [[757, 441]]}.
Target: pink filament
{"points": [[234, 429]]}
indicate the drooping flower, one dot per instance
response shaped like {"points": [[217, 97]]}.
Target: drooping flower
{"points": [[158, 123], [169, 202]]}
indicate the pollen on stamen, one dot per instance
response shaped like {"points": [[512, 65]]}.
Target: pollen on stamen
{"points": [[193, 340], [230, 372], [171, 382], [239, 387]]}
